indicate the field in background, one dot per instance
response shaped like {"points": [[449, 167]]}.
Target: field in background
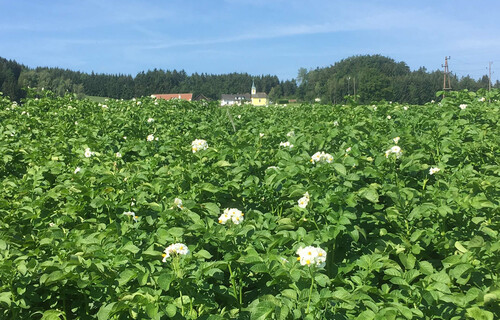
{"points": [[403, 199]]}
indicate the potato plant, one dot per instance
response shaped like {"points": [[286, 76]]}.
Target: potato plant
{"points": [[153, 209]]}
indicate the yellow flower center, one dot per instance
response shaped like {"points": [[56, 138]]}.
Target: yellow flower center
{"points": [[308, 261], [164, 255]]}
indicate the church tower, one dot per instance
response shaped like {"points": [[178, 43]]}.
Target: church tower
{"points": [[254, 90]]}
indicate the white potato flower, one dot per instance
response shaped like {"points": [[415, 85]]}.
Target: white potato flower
{"points": [[396, 140], [396, 150], [235, 215], [286, 144], [174, 250], [77, 170], [150, 137], [88, 153], [150, 120], [434, 170], [462, 106], [132, 214], [118, 155], [311, 256], [198, 145], [302, 203], [321, 157], [178, 203]]}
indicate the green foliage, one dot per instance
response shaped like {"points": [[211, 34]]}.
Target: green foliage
{"points": [[400, 243]]}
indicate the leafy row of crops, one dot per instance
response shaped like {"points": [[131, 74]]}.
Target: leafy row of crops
{"points": [[92, 194]]}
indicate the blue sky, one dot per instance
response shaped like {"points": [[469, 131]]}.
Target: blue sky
{"points": [[255, 36]]}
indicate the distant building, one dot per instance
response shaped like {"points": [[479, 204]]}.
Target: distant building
{"points": [[170, 96], [259, 98], [255, 98], [202, 97], [238, 99]]}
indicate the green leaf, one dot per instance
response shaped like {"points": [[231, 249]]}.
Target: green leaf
{"points": [[290, 293], [370, 194], [176, 232], [322, 280], [125, 276], [366, 315], [203, 254], [105, 311], [212, 208], [170, 310], [479, 314], [340, 168], [52, 315], [152, 310], [262, 310], [408, 261], [164, 281], [5, 297], [130, 247], [460, 247], [209, 187], [222, 163]]}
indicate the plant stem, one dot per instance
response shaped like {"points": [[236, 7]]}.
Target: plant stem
{"points": [[232, 281], [310, 290], [182, 303]]}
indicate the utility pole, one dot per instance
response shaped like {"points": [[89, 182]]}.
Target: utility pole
{"points": [[446, 71], [354, 81]]}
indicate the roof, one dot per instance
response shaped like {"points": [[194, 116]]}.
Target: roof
{"points": [[201, 96], [181, 96], [259, 95], [236, 97]]}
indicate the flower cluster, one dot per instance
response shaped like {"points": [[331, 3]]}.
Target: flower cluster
{"points": [[434, 170], [199, 144], [462, 106], [311, 256], [321, 157], [286, 144], [234, 215], [175, 249], [396, 150], [150, 137], [150, 120], [304, 200]]}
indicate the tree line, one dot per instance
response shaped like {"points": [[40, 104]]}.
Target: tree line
{"points": [[370, 78]]}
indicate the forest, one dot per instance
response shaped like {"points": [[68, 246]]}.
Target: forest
{"points": [[367, 78]]}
